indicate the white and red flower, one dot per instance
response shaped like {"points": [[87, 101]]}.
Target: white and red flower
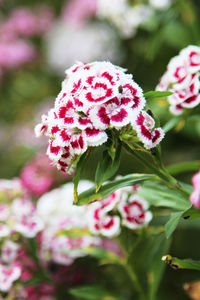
{"points": [[134, 212], [182, 78], [144, 126], [103, 219], [94, 97]]}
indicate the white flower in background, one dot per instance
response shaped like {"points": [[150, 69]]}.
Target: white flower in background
{"points": [[8, 274], [17, 211], [9, 251], [66, 44], [122, 15], [59, 214], [160, 4]]}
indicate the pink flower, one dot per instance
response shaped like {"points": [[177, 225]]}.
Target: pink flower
{"points": [[196, 181], [23, 22], [15, 53], [182, 78], [195, 196], [77, 12], [37, 176]]}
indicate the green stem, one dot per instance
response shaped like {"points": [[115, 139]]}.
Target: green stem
{"points": [[158, 170], [135, 281]]}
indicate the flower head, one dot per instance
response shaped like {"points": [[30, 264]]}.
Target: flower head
{"points": [[95, 97], [182, 78]]}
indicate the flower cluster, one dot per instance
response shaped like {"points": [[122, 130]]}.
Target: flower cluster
{"points": [[17, 212], [195, 196], [182, 78], [95, 97], [131, 207]]}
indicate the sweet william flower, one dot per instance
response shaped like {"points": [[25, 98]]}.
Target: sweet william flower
{"points": [[95, 98], [134, 212], [182, 78]]}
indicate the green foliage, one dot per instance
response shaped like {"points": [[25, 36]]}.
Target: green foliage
{"points": [[177, 263], [156, 94], [108, 165], [108, 188], [93, 292]]}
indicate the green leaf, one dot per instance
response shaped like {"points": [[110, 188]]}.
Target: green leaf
{"points": [[177, 263], [108, 188], [156, 269], [145, 259], [171, 123], [157, 94], [108, 166], [186, 166], [171, 225], [191, 214], [104, 255], [93, 292], [160, 195]]}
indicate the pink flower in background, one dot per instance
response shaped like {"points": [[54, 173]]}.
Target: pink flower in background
{"points": [[37, 175], [15, 53], [42, 291], [77, 12], [195, 196], [111, 246], [45, 19], [22, 21], [21, 24]]}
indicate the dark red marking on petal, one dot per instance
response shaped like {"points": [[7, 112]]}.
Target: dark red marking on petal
{"points": [[120, 116], [103, 116], [109, 224]]}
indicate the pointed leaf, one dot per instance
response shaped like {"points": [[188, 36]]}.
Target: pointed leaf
{"points": [[108, 188], [107, 167], [92, 292], [157, 94], [171, 225], [177, 263]]}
